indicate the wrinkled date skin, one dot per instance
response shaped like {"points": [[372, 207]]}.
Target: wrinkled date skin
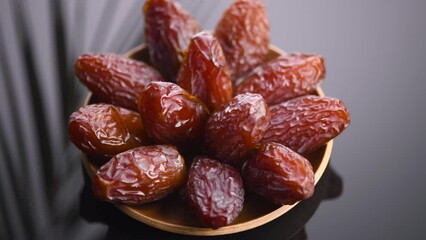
{"points": [[204, 72], [279, 174], [172, 115], [214, 192], [306, 123], [168, 30], [115, 79], [243, 33], [140, 175], [284, 78], [102, 130], [234, 130]]}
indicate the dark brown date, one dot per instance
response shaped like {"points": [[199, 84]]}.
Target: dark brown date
{"points": [[171, 115], [234, 130], [168, 30], [115, 79], [204, 72], [284, 78], [102, 130], [279, 174], [243, 33], [214, 192], [306, 123], [140, 175]]}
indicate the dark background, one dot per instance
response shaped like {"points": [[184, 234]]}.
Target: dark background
{"points": [[376, 63]]}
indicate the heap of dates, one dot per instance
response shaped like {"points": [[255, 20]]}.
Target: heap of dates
{"points": [[208, 116]]}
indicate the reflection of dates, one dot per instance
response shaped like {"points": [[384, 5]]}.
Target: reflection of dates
{"points": [[306, 123], [243, 33], [103, 130], [235, 129], [214, 191], [115, 79], [204, 72], [140, 175], [168, 30], [285, 77], [279, 174], [171, 115]]}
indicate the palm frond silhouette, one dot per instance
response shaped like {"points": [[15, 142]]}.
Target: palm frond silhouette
{"points": [[40, 171]]}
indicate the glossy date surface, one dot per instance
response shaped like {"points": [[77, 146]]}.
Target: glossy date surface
{"points": [[233, 131], [171, 115], [243, 33], [279, 174], [103, 130], [306, 123], [284, 78], [204, 72], [140, 175], [168, 30], [214, 192], [115, 79]]}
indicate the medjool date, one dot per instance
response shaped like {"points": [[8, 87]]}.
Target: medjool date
{"points": [[140, 175], [214, 192], [279, 174]]}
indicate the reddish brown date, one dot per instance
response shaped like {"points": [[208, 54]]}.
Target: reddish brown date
{"points": [[243, 33], [214, 192], [279, 174], [168, 30], [171, 115], [140, 175], [102, 130], [115, 79], [204, 72], [234, 130], [284, 78], [306, 123]]}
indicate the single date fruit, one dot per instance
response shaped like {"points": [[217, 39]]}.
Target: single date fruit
{"points": [[103, 130], [204, 72], [214, 192], [306, 123], [168, 30], [235, 129], [279, 174], [140, 175], [115, 79], [171, 115], [284, 78], [243, 33]]}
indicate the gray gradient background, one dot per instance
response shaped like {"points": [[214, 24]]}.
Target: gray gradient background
{"points": [[376, 63], [376, 60]]}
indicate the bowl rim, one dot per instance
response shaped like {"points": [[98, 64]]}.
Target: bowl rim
{"points": [[205, 231]]}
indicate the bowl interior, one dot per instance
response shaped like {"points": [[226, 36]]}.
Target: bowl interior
{"points": [[170, 213]]}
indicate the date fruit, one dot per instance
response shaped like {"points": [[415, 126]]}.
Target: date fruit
{"points": [[140, 175], [243, 33], [171, 115], [214, 192], [284, 78], [234, 130], [101, 130], [279, 174], [115, 79], [204, 72], [306, 123], [168, 30]]}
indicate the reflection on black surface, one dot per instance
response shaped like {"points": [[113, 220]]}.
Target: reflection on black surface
{"points": [[289, 226], [333, 187]]}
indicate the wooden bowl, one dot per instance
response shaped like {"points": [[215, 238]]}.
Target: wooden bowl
{"points": [[170, 213]]}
